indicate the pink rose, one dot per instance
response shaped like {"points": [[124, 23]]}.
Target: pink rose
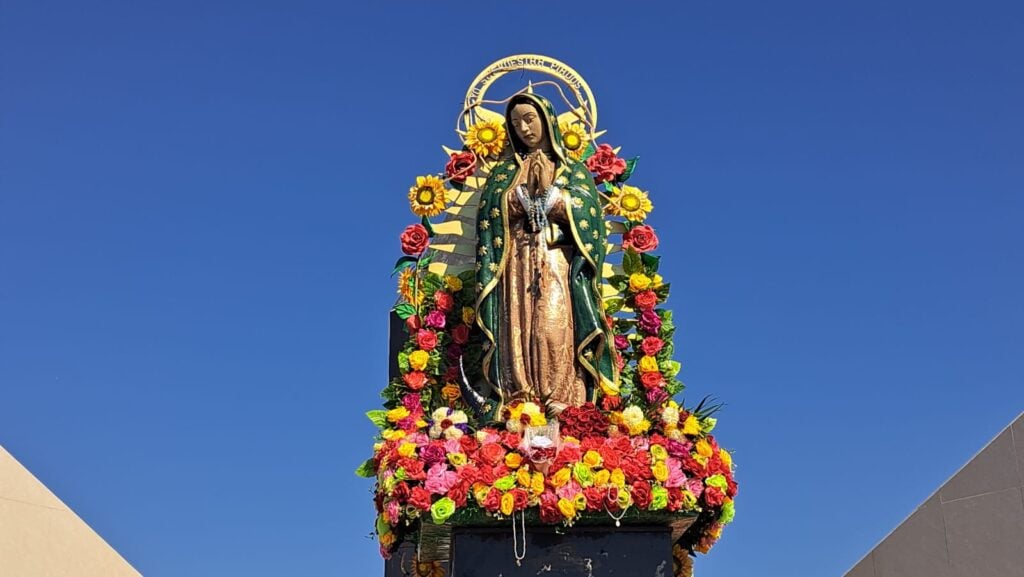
{"points": [[440, 479], [650, 322], [435, 319]]}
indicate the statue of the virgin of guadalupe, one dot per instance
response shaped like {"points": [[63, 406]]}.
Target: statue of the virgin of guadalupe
{"points": [[540, 251]]}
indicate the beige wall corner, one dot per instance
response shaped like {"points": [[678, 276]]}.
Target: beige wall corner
{"points": [[41, 537]]}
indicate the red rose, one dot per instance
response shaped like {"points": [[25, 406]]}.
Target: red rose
{"points": [[732, 487], [675, 498], [642, 494], [420, 498], [652, 380], [460, 334], [492, 453], [714, 496], [651, 345], [458, 493], [611, 403], [520, 499], [610, 457], [415, 380], [632, 469], [646, 300], [413, 469], [415, 239], [412, 324], [400, 492], [511, 440], [549, 508], [468, 444], [460, 166], [605, 165], [640, 238], [443, 301], [493, 500], [595, 498], [426, 340]]}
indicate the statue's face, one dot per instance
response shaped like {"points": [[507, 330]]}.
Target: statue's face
{"points": [[528, 124]]}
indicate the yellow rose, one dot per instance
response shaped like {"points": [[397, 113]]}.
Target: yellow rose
{"points": [[703, 448], [567, 508], [397, 414], [581, 502], [592, 459], [623, 499], [457, 459], [618, 478], [660, 471], [659, 452], [691, 426], [726, 458], [513, 460], [561, 477], [387, 540], [393, 434], [507, 503], [418, 359], [523, 477], [648, 364], [656, 282], [639, 282], [468, 315], [450, 392], [537, 484], [407, 449], [454, 283], [601, 478], [480, 491]]}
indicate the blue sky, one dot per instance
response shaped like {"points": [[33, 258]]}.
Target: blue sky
{"points": [[200, 204]]}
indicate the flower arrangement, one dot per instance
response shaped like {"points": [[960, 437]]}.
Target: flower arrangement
{"points": [[633, 453]]}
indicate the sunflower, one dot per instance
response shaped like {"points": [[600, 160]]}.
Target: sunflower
{"points": [[629, 202], [427, 197], [574, 138], [486, 138], [405, 288]]}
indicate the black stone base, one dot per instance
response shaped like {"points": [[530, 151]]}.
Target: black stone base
{"points": [[579, 552]]}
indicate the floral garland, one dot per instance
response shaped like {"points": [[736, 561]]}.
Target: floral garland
{"points": [[637, 453]]}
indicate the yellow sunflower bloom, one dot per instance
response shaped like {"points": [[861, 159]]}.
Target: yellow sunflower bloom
{"points": [[427, 197], [486, 138], [629, 202], [405, 287], [574, 138]]}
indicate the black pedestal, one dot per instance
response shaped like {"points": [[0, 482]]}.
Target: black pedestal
{"points": [[579, 552]]}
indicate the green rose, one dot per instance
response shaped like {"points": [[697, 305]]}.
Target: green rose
{"points": [[659, 498], [717, 481], [505, 483], [400, 474], [707, 425], [442, 510], [582, 474], [728, 512]]}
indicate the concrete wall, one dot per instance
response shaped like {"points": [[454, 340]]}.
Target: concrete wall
{"points": [[973, 526], [41, 537]]}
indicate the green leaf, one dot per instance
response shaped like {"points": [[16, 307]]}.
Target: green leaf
{"points": [[367, 469], [404, 262], [662, 291], [426, 224], [631, 262], [425, 260], [588, 152], [630, 167], [612, 306], [619, 281], [650, 262], [378, 417], [405, 310]]}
